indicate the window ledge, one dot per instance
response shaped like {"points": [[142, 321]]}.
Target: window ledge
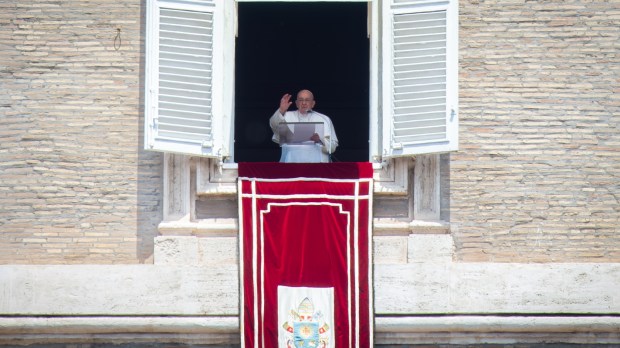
{"points": [[230, 227], [218, 179], [201, 228], [390, 227]]}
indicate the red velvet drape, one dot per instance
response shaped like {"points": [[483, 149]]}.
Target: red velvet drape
{"points": [[306, 225]]}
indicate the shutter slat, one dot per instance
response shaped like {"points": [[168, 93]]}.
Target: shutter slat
{"points": [[398, 3], [436, 102], [189, 126], [180, 102], [181, 74], [170, 135], [171, 112]]}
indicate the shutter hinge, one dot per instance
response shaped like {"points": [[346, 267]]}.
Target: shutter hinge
{"points": [[154, 125], [222, 156]]}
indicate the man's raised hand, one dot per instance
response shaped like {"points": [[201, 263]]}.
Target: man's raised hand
{"points": [[285, 103]]}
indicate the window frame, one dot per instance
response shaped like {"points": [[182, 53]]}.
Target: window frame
{"points": [[381, 144]]}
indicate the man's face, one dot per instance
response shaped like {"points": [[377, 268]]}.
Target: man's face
{"points": [[304, 102]]}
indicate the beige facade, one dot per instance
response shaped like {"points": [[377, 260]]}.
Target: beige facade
{"points": [[523, 220], [76, 186], [536, 177]]}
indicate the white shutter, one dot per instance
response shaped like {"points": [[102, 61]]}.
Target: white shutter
{"points": [[420, 91], [181, 70]]}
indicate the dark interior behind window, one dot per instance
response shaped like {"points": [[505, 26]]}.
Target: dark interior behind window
{"points": [[283, 47]]}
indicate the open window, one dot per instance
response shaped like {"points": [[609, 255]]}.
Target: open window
{"points": [[283, 47], [410, 93]]}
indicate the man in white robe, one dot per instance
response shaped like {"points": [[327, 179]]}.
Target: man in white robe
{"points": [[319, 146]]}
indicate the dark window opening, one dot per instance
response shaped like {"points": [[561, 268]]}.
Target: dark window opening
{"points": [[283, 47]]}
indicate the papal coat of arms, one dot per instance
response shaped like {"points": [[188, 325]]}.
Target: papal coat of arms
{"points": [[305, 327]]}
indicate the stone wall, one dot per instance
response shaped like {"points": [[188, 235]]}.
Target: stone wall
{"points": [[75, 186], [191, 294], [536, 180], [537, 177]]}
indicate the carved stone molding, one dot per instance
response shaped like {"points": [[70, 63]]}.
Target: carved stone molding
{"points": [[189, 178], [215, 178]]}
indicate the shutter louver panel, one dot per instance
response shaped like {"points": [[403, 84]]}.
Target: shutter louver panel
{"points": [[185, 75], [419, 77], [187, 102]]}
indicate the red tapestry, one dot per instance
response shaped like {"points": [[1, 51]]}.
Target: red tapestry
{"points": [[305, 242]]}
